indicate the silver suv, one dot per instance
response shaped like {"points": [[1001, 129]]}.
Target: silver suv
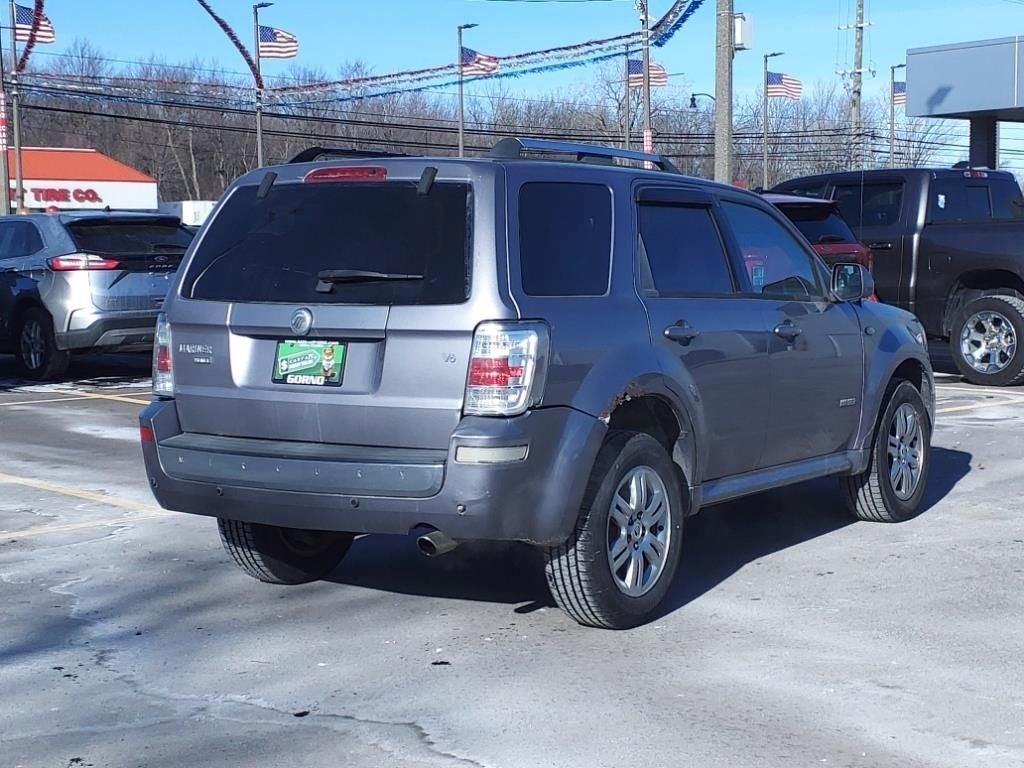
{"points": [[83, 281], [575, 354]]}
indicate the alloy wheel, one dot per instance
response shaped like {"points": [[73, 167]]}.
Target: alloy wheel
{"points": [[905, 451], [988, 342], [639, 531], [33, 345]]}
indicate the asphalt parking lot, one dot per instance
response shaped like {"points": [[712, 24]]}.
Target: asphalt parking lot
{"points": [[793, 636]]}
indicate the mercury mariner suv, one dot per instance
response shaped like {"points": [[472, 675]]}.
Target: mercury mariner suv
{"points": [[548, 345]]}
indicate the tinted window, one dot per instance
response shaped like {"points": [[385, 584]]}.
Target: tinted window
{"points": [[565, 235], [979, 204], [273, 249], [684, 250], [19, 239], [820, 224], [129, 236], [870, 205], [1006, 199], [777, 263], [947, 200]]}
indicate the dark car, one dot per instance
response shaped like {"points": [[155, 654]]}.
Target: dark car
{"points": [[822, 223], [947, 245], [576, 355]]}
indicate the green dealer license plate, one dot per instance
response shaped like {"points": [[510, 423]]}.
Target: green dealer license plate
{"points": [[312, 363]]}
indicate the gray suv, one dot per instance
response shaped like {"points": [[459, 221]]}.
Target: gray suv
{"points": [[83, 281], [568, 352]]}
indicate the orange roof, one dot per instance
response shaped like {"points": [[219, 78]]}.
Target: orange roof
{"points": [[73, 165]]}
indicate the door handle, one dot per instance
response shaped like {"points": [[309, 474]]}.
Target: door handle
{"points": [[787, 330], [681, 333], [881, 246]]}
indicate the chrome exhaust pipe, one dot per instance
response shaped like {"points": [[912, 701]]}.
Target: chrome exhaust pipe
{"points": [[434, 543]]}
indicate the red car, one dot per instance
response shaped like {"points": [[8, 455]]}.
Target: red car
{"points": [[824, 227]]}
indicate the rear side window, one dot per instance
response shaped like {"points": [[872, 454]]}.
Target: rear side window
{"points": [[870, 205], [19, 239], [129, 237], [684, 250], [820, 224], [416, 248], [565, 238]]}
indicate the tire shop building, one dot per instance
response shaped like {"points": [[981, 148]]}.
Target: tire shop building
{"points": [[81, 179]]}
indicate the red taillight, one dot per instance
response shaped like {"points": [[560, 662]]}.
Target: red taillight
{"points": [[347, 173], [146, 433], [75, 262], [493, 372], [163, 359]]}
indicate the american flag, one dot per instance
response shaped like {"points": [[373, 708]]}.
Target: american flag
{"points": [[781, 86], [23, 18], [277, 44], [659, 76], [899, 93], [475, 63]]}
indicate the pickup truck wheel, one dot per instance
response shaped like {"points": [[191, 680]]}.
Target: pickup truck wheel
{"points": [[891, 489], [36, 348], [987, 341], [622, 556], [277, 555]]}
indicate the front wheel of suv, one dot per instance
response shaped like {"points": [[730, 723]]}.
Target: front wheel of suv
{"points": [[36, 347], [622, 556], [891, 488], [277, 555]]}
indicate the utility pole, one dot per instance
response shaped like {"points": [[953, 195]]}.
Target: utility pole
{"points": [[857, 86], [462, 106], [259, 86], [645, 20], [764, 142], [19, 192], [5, 175], [629, 139], [724, 53], [892, 113]]}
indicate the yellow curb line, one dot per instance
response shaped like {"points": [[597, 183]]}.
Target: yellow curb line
{"points": [[47, 529], [975, 407]]}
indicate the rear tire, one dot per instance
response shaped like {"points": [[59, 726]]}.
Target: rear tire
{"points": [[582, 572], [276, 555], [890, 489], [36, 347], [987, 341]]}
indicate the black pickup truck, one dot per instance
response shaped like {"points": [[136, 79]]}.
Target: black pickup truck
{"points": [[948, 245]]}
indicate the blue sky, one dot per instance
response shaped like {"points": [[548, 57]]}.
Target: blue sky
{"points": [[391, 35]]}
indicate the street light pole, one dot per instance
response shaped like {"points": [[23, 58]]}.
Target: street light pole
{"points": [[892, 113], [764, 143], [462, 106], [629, 140], [5, 175], [259, 88]]}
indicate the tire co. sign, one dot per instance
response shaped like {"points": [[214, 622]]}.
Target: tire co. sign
{"points": [[122, 195]]}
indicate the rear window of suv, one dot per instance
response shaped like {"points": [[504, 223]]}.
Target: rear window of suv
{"points": [[275, 249], [142, 236], [820, 224]]}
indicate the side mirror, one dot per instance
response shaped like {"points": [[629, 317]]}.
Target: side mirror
{"points": [[852, 282]]}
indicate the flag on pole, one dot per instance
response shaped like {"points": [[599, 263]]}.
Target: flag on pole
{"points": [[659, 76], [899, 93], [277, 44], [782, 86], [475, 63], [23, 18]]}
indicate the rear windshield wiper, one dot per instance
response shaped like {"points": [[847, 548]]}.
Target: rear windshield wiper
{"points": [[826, 239], [327, 279]]}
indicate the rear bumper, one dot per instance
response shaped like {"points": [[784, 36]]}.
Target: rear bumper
{"points": [[368, 490], [88, 329]]}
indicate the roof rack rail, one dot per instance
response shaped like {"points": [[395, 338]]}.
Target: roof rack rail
{"points": [[513, 148], [315, 153]]}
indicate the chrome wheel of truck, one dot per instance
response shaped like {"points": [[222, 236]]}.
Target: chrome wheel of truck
{"points": [[985, 341]]}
